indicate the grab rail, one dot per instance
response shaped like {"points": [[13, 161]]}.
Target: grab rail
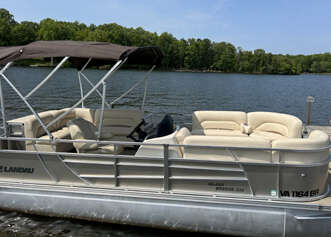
{"points": [[166, 164], [99, 142]]}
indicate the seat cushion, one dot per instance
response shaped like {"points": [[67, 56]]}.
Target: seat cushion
{"points": [[316, 140], [271, 136], [227, 120], [81, 129], [218, 153], [180, 135], [283, 124], [59, 134], [219, 132], [108, 149], [59, 147], [158, 150], [118, 122]]}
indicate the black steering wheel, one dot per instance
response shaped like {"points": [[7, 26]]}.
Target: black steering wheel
{"points": [[141, 134]]}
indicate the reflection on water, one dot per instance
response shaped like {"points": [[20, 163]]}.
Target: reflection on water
{"points": [[169, 92]]}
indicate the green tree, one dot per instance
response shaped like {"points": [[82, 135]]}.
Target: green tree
{"points": [[98, 35], [169, 46], [224, 57], [194, 54], [182, 47], [191, 60], [7, 23], [25, 32], [56, 30]]}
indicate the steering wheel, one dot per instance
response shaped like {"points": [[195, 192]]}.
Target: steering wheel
{"points": [[141, 134]]}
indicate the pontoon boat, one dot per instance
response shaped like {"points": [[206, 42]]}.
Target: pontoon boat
{"points": [[230, 172]]}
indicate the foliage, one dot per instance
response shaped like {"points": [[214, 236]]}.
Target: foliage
{"points": [[7, 23], [190, 54], [25, 32]]}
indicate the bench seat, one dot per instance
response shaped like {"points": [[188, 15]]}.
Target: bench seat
{"points": [[117, 124], [267, 125], [267, 135], [211, 153], [59, 134], [219, 132]]}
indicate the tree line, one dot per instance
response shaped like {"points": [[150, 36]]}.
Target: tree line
{"points": [[179, 54]]}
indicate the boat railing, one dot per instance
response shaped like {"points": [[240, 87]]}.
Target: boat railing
{"points": [[165, 146], [168, 164]]}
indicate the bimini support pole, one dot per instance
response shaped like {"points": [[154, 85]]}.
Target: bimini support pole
{"points": [[104, 78], [49, 76], [28, 105], [92, 85], [81, 88], [133, 87], [80, 80], [4, 121], [104, 86], [145, 87]]}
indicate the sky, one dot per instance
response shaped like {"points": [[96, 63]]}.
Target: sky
{"points": [[277, 26]]}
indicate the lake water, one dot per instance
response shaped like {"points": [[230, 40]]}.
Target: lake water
{"points": [[176, 93], [179, 93]]}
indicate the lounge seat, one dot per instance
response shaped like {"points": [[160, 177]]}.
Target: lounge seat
{"points": [[219, 123], [222, 154], [59, 134], [272, 126], [267, 125], [81, 129], [117, 125], [316, 140], [33, 129]]}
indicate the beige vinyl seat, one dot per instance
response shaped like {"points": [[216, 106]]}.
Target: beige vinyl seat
{"points": [[217, 153], [33, 129], [272, 126], [219, 123], [175, 138], [118, 123], [81, 129], [316, 140]]}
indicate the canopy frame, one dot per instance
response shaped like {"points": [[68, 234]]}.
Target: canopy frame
{"points": [[80, 75]]}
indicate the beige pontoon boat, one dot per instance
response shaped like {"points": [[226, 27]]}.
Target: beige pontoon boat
{"points": [[234, 173]]}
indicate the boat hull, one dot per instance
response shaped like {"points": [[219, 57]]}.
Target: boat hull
{"points": [[237, 217]]}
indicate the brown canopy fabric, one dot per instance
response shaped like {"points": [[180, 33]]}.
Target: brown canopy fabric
{"points": [[79, 52]]}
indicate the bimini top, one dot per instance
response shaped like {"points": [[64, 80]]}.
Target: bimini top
{"points": [[102, 53]]}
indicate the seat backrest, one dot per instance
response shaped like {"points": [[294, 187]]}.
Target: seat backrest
{"points": [[85, 113], [32, 127], [180, 136], [63, 121], [81, 129], [316, 140], [225, 120], [158, 150], [118, 122], [211, 153], [283, 124]]}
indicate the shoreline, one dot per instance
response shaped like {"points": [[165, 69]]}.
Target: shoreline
{"points": [[47, 65]]}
